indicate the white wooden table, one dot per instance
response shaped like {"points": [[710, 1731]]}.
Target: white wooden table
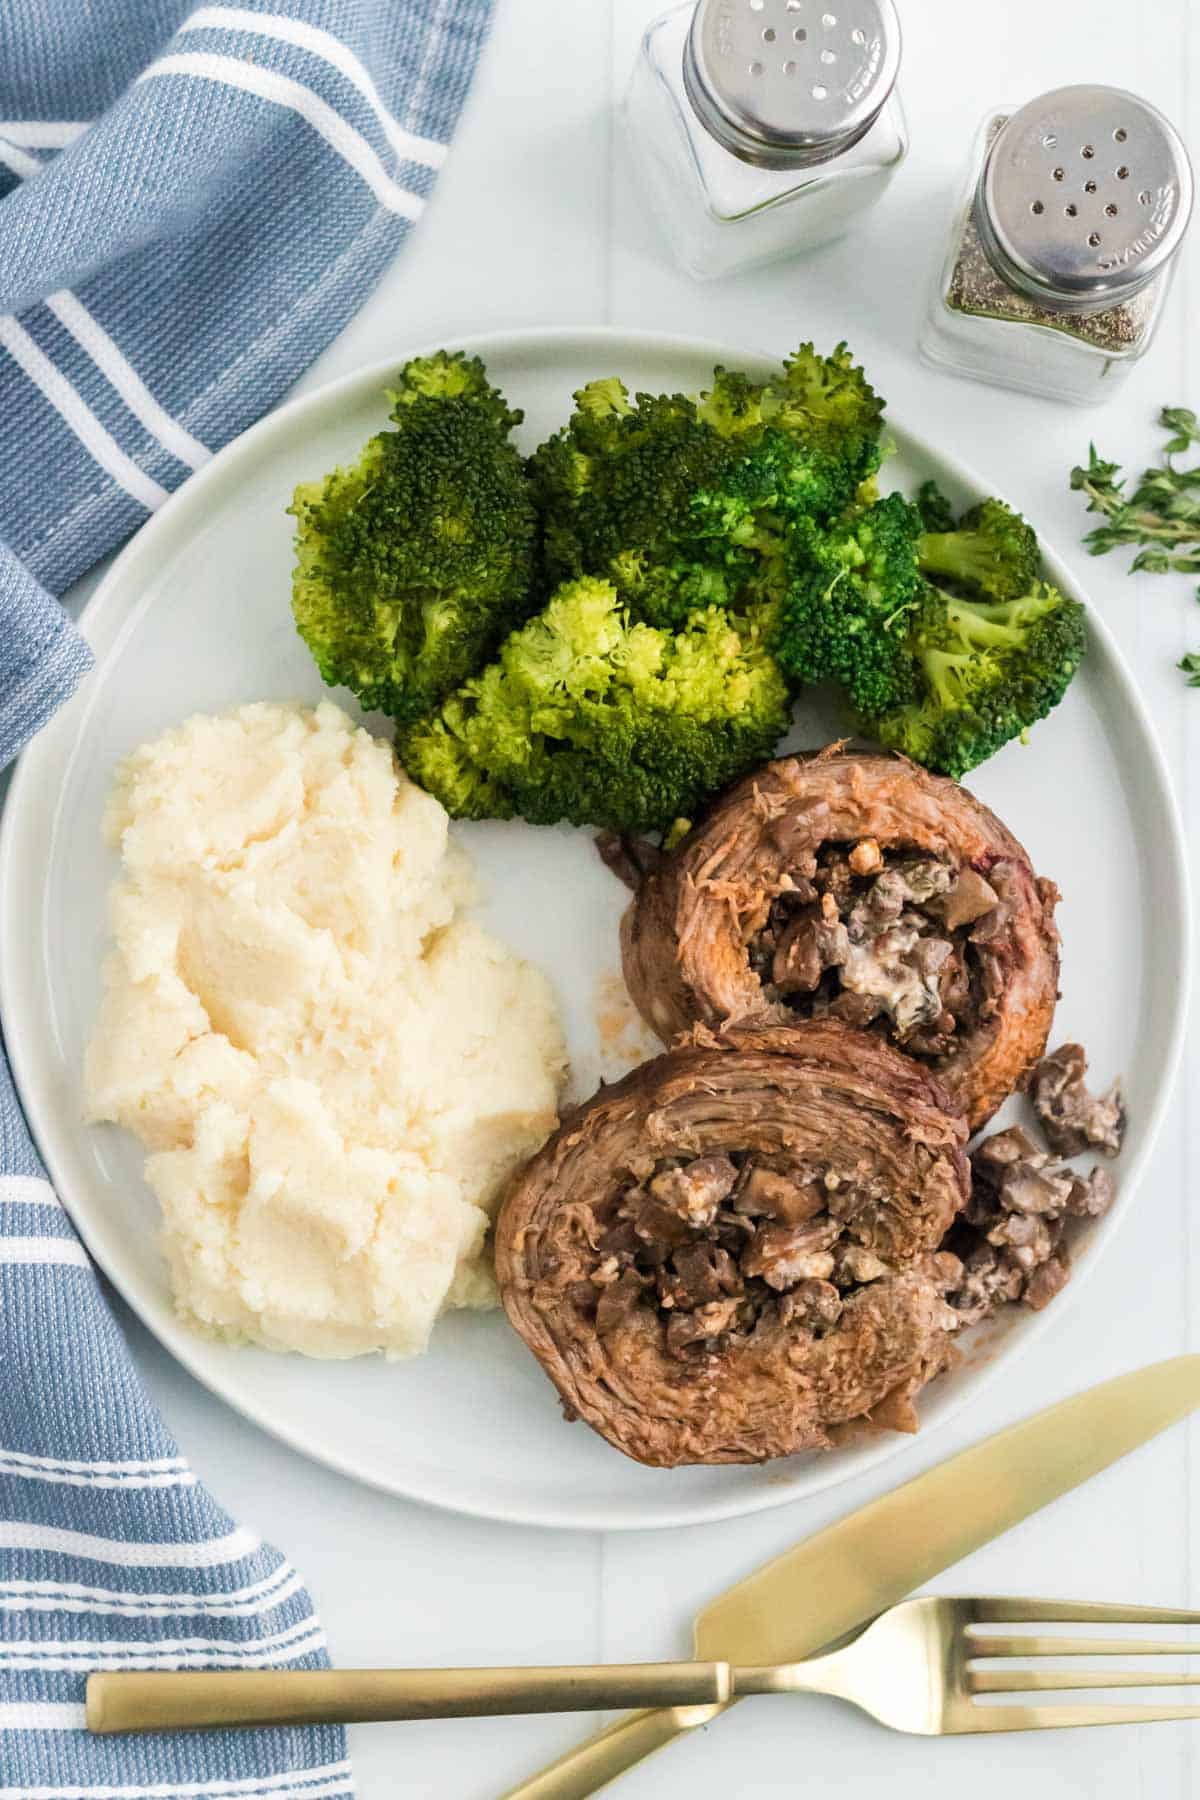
{"points": [[537, 220]]}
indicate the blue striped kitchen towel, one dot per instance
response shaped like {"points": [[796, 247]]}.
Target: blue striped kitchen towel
{"points": [[193, 202]]}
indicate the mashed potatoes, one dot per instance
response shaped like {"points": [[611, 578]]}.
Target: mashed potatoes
{"points": [[332, 1071]]}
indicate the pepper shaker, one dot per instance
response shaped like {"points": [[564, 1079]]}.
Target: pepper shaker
{"points": [[1064, 245], [762, 127]]}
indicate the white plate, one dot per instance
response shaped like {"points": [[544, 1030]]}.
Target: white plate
{"points": [[194, 616]]}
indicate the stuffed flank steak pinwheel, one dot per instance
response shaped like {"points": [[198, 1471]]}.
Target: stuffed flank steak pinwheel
{"points": [[734, 1250], [857, 886]]}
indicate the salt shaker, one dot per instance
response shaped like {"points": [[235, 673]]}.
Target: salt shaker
{"points": [[1064, 245], [761, 128]]}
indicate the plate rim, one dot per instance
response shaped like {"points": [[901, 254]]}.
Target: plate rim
{"points": [[186, 1346]]}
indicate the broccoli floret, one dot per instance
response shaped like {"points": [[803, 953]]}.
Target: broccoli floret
{"points": [[847, 614], [993, 552], [616, 488], [686, 503], [827, 401], [590, 717], [936, 512], [733, 405], [986, 671], [413, 563], [450, 375]]}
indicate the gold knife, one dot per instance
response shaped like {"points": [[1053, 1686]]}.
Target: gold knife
{"points": [[810, 1596]]}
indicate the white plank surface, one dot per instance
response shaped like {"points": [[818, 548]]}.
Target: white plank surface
{"points": [[538, 220]]}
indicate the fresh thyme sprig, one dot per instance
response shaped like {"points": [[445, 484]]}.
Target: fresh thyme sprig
{"points": [[1162, 514]]}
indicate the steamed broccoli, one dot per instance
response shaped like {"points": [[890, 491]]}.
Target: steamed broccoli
{"points": [[450, 375], [616, 490], [413, 563], [695, 557], [847, 612], [946, 679], [589, 717], [827, 402], [686, 503], [985, 672], [936, 512], [992, 551]]}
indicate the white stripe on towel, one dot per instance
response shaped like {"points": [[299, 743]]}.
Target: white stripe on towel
{"points": [[72, 407], [161, 1465], [76, 1596], [328, 1778], [43, 134], [42, 1249], [119, 1483], [293, 1639], [350, 145], [92, 338], [26, 1190], [16, 1535], [40, 1715], [66, 1665], [406, 144], [145, 1657]]}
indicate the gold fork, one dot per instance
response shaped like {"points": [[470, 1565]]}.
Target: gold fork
{"points": [[925, 1666]]}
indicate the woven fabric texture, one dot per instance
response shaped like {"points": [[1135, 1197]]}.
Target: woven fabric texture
{"points": [[193, 202]]}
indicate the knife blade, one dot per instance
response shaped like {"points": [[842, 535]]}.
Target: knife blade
{"points": [[837, 1580]]}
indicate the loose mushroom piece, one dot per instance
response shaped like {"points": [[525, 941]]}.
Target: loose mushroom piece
{"points": [[1012, 1236], [1072, 1117]]}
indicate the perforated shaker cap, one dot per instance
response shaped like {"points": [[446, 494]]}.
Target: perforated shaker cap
{"points": [[789, 83], [1084, 197]]}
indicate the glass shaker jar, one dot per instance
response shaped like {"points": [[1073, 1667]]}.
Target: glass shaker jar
{"points": [[761, 127], [1064, 245]]}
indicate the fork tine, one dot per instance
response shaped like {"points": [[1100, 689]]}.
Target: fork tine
{"points": [[978, 1646], [1059, 1718], [1011, 1610], [1030, 1681]]}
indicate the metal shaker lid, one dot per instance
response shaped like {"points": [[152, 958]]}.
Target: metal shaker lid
{"points": [[1084, 197], [789, 83]]}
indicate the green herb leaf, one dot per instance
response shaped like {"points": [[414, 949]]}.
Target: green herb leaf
{"points": [[1161, 516], [1182, 421]]}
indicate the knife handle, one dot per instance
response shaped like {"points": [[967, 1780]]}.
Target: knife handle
{"points": [[194, 1700], [610, 1753]]}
